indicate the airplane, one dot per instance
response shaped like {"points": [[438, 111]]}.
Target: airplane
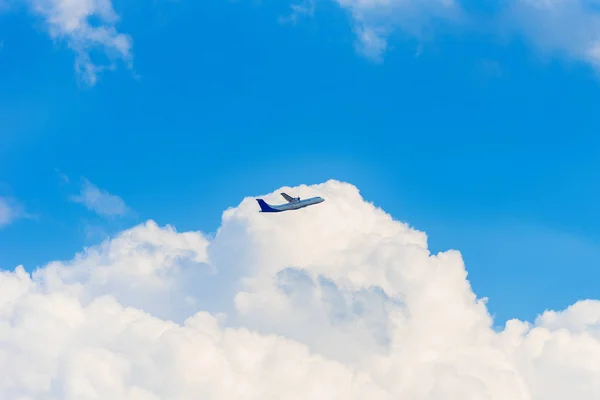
{"points": [[293, 203]]}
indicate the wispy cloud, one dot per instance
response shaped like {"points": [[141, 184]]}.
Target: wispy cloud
{"points": [[100, 201], [304, 8], [86, 25], [558, 27], [568, 29], [10, 211], [375, 20], [63, 177]]}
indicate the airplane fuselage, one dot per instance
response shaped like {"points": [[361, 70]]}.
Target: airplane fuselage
{"points": [[264, 207]]}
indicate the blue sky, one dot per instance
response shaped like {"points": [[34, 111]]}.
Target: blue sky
{"points": [[477, 126]]}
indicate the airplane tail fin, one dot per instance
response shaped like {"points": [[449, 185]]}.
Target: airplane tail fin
{"points": [[264, 207]]}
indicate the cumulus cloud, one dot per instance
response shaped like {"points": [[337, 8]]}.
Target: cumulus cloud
{"points": [[100, 201], [339, 301], [86, 26]]}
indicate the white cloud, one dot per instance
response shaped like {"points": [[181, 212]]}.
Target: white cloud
{"points": [[100, 201], [304, 8], [375, 20], [338, 301], [85, 25], [63, 177], [568, 28], [10, 210]]}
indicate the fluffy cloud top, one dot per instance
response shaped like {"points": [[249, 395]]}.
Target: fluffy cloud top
{"points": [[337, 301], [85, 25], [100, 201]]}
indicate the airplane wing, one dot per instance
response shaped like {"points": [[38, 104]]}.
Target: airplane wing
{"points": [[289, 198]]}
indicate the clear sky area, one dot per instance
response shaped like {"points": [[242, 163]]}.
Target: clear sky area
{"points": [[476, 124]]}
